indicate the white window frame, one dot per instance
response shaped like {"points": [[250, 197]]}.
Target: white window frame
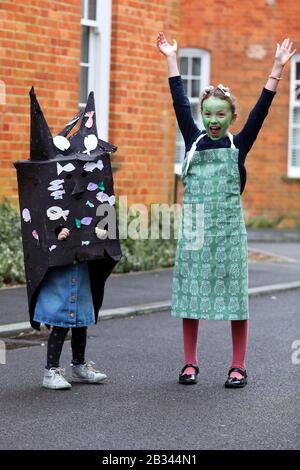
{"points": [[204, 79], [293, 171], [99, 61]]}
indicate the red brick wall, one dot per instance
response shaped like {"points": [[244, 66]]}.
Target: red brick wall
{"points": [[40, 46], [142, 123], [228, 30]]}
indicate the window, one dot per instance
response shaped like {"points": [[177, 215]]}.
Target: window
{"points": [[194, 67], [95, 58], [294, 120]]}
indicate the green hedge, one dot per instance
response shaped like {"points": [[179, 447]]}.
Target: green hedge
{"points": [[11, 251], [138, 255]]}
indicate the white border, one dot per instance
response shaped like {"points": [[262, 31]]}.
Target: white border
{"points": [[292, 171], [99, 62]]}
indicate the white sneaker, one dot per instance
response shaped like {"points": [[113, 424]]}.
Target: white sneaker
{"points": [[86, 373], [54, 379]]}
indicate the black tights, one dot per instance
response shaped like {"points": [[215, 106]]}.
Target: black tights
{"points": [[56, 342]]}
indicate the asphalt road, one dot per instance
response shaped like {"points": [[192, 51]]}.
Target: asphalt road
{"points": [[141, 406]]}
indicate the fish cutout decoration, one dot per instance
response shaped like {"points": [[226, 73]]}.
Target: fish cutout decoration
{"points": [[92, 186], [58, 194], [52, 247], [35, 235], [26, 215], [61, 143], [89, 123], [55, 185], [103, 197], [90, 143], [83, 221], [55, 213], [85, 242], [68, 168], [91, 166], [112, 200]]}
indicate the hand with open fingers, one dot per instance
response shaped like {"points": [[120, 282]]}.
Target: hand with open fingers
{"points": [[63, 234], [284, 52], [164, 47]]}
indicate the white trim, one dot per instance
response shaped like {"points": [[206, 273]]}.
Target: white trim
{"points": [[178, 168], [99, 62], [102, 105], [292, 170], [91, 23]]}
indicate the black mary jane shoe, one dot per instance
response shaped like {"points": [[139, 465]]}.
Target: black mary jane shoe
{"points": [[233, 382], [188, 379]]}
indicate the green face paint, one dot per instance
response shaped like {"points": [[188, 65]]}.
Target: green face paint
{"points": [[216, 116]]}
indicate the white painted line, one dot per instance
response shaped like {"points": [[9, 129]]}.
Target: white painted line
{"points": [[277, 258], [273, 288], [12, 328], [134, 310]]}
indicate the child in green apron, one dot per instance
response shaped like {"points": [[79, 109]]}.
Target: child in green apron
{"points": [[210, 279]]}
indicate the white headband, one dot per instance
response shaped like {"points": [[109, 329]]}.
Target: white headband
{"points": [[221, 87]]}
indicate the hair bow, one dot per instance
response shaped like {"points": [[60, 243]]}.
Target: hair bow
{"points": [[224, 89], [208, 89]]}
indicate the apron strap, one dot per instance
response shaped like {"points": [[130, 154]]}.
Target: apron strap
{"points": [[231, 140], [193, 148], [192, 151]]}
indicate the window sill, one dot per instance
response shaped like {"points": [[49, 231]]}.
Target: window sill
{"points": [[290, 179]]}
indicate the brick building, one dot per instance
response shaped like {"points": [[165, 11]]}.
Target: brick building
{"points": [[66, 47]]}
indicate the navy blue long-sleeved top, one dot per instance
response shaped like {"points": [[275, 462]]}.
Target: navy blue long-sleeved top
{"points": [[243, 140]]}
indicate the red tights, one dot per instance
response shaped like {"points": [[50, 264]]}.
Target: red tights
{"points": [[239, 332]]}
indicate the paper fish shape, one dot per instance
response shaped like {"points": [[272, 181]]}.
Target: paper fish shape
{"points": [[91, 166], [89, 123], [90, 143], [94, 186], [55, 185], [52, 247], [103, 197], [85, 242], [61, 142], [55, 213], [58, 194], [26, 215], [83, 221], [68, 167], [35, 235]]}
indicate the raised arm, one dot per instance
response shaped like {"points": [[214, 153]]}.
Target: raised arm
{"points": [[282, 55], [181, 102], [170, 52], [246, 138]]}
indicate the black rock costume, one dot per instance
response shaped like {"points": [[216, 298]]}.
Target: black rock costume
{"points": [[67, 182]]}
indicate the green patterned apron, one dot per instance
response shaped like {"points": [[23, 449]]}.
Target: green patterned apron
{"points": [[210, 278]]}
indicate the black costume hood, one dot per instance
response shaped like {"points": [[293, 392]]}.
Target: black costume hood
{"points": [[67, 182]]}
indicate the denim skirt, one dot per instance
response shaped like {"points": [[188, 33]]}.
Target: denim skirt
{"points": [[65, 297]]}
